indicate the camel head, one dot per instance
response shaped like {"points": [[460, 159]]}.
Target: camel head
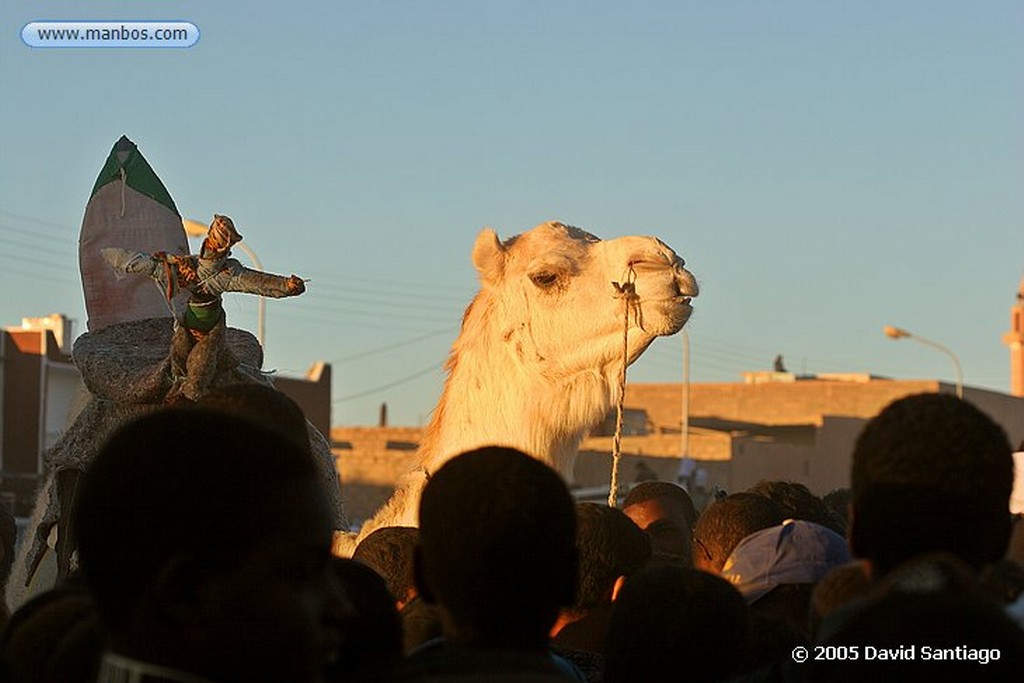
{"points": [[540, 353], [554, 293]]}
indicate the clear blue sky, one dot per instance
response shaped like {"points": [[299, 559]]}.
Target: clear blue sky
{"points": [[825, 168]]}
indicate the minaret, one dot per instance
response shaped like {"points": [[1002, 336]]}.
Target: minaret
{"points": [[1015, 340]]}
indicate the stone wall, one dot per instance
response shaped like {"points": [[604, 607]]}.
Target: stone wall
{"points": [[801, 430], [773, 403], [370, 460]]}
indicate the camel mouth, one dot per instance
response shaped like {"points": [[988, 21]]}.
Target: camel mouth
{"points": [[676, 318], [679, 300]]}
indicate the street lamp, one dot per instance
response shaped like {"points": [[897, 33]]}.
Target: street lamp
{"points": [[900, 333], [197, 229], [685, 417], [685, 473]]}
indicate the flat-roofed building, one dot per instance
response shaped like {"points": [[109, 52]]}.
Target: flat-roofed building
{"points": [[772, 425], [38, 386]]}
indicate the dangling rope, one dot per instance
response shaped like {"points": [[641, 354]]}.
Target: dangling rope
{"points": [[627, 292]]}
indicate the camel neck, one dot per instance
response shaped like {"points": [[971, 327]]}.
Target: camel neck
{"points": [[499, 401]]}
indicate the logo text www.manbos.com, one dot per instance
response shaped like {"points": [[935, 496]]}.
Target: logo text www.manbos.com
{"points": [[110, 34]]}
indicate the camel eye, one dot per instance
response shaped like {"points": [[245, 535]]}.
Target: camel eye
{"points": [[544, 279]]}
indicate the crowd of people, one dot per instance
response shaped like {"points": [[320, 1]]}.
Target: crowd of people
{"points": [[204, 543]]}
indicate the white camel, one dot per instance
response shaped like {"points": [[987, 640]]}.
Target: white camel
{"points": [[538, 360]]}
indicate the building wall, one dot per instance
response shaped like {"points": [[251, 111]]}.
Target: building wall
{"points": [[39, 386], [802, 430], [822, 464], [22, 389], [370, 462], [773, 403], [816, 402], [830, 467], [1006, 410], [312, 393], [755, 458]]}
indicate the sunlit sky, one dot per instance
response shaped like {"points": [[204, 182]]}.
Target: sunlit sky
{"points": [[825, 168]]}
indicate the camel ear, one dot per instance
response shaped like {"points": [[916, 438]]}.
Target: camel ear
{"points": [[489, 256]]}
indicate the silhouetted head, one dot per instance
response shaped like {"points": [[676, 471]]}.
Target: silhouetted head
{"points": [[206, 542], [797, 502], [610, 546], [838, 503], [372, 629], [54, 636], [650, 501], [931, 473], [932, 607], [726, 522], [497, 548], [261, 404], [666, 512], [838, 588], [672, 624], [389, 551]]}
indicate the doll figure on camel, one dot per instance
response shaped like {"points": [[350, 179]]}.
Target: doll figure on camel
{"points": [[198, 351]]}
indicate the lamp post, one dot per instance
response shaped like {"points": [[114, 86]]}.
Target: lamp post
{"points": [[685, 436], [900, 333], [684, 474], [197, 229]]}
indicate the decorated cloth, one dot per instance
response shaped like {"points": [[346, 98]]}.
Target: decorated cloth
{"points": [[129, 205]]}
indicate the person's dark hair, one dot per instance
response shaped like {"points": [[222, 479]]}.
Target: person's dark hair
{"points": [[931, 473], [610, 545], [840, 587], [775, 626], [179, 481], [372, 631], [668, 621], [786, 606], [651, 490], [932, 602], [838, 502], [389, 551], [1004, 580], [669, 543], [261, 404], [54, 636], [797, 502], [497, 546], [726, 522]]}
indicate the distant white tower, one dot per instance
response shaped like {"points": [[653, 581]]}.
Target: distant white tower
{"points": [[1015, 340]]}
